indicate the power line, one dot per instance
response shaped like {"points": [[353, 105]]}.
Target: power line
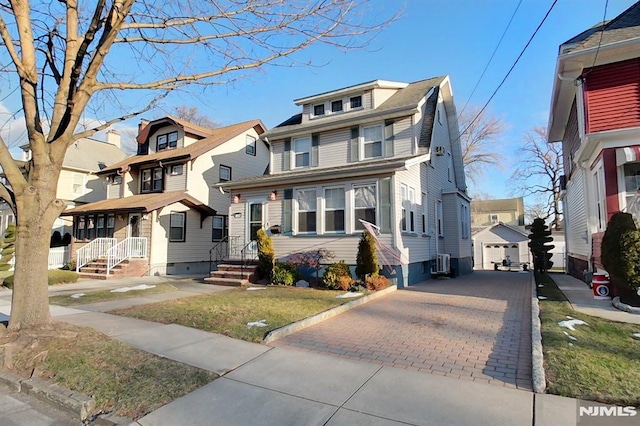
{"points": [[491, 58], [510, 70], [604, 25]]}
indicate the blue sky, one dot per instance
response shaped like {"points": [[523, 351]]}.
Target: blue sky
{"points": [[430, 38]]}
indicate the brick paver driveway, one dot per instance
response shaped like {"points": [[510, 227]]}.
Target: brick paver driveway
{"points": [[476, 327]]}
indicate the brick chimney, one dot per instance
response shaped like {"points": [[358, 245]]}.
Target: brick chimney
{"points": [[113, 138]]}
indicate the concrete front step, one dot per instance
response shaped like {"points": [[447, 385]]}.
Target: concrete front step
{"points": [[94, 276], [232, 282], [232, 267], [233, 274]]}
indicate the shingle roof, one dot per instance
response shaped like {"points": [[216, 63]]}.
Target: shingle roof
{"points": [[624, 27], [218, 137], [186, 125], [142, 202], [91, 155]]}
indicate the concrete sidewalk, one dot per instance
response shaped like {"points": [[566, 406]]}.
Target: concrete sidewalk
{"points": [[581, 298]]}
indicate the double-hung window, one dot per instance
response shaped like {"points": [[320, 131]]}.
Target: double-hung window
{"points": [[251, 145], [167, 141], [301, 152], [100, 226], [412, 213], [177, 226], [111, 224], [408, 219], [372, 141], [219, 229], [424, 213], [439, 230], [334, 209], [225, 173], [364, 204], [307, 207], [404, 197], [464, 221], [152, 180]]}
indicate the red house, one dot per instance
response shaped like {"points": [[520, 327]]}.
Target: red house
{"points": [[595, 113]]}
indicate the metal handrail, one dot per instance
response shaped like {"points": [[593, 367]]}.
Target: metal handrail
{"points": [[125, 249], [243, 254], [221, 249], [95, 249]]}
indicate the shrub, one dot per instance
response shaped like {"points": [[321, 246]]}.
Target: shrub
{"points": [[540, 236], [377, 282], [311, 259], [366, 259], [345, 283], [55, 276], [630, 246], [266, 254], [619, 224], [334, 273], [8, 247], [284, 274]]}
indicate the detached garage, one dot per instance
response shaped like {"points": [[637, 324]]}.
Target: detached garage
{"points": [[495, 243]]}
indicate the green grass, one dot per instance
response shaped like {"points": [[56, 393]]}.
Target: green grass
{"points": [[604, 362], [54, 276], [107, 295], [229, 312], [120, 378]]}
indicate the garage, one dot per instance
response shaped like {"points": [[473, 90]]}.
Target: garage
{"points": [[496, 252], [495, 243]]}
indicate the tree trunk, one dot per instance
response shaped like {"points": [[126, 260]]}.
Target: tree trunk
{"points": [[37, 209]]}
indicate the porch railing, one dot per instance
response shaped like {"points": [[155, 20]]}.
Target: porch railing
{"points": [[132, 247], [58, 257], [221, 250], [94, 250]]}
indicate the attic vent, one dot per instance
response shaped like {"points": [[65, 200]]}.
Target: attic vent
{"points": [[439, 151], [101, 165]]}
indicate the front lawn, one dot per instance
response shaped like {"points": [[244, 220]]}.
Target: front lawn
{"points": [[107, 295], [229, 312], [601, 364]]}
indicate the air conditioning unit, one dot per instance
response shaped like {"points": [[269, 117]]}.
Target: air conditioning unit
{"points": [[443, 264], [440, 151]]}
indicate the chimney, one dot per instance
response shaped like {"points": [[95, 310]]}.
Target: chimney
{"points": [[113, 138], [141, 126]]}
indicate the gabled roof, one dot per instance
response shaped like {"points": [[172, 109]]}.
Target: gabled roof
{"points": [[89, 155], [623, 27], [492, 228], [145, 203], [404, 102], [218, 137], [161, 122]]}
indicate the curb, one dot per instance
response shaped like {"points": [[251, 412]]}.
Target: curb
{"points": [[537, 360], [58, 396], [281, 332], [624, 307]]}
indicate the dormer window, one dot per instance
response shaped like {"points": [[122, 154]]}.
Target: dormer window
{"points": [[336, 106], [167, 141], [318, 110], [355, 102], [114, 180]]}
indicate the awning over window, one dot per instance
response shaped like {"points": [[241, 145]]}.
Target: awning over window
{"points": [[629, 154]]}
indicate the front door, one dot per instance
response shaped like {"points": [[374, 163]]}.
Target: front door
{"points": [[255, 220], [133, 229]]}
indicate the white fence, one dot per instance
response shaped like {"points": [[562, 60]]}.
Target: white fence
{"points": [[58, 257]]}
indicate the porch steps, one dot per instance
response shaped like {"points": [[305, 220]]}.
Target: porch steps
{"points": [[233, 274], [128, 268]]}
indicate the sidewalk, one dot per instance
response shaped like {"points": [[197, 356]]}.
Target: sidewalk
{"points": [[581, 298], [284, 386]]}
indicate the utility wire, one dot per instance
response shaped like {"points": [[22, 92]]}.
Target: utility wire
{"points": [[491, 58], [604, 25], [510, 70]]}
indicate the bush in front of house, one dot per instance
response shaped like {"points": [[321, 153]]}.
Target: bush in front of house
{"points": [[311, 259], [366, 259], [540, 249], [377, 282], [8, 247], [266, 254], [611, 248], [55, 276], [630, 247], [284, 274], [335, 274]]}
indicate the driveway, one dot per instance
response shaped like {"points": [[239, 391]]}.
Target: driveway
{"points": [[476, 327]]}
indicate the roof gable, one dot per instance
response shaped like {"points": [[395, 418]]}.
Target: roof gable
{"points": [[503, 231]]}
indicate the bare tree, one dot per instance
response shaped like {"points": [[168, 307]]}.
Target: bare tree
{"points": [[192, 115], [478, 141], [538, 175], [69, 59]]}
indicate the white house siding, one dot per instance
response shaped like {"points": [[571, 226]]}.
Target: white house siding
{"points": [[114, 191], [404, 137], [576, 212], [382, 95], [333, 147], [499, 235], [367, 99], [175, 182], [451, 225], [413, 246], [164, 130]]}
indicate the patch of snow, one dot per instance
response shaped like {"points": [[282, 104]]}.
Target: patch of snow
{"points": [[256, 288], [636, 335], [570, 344], [302, 283], [569, 316], [540, 285], [571, 323], [348, 295], [77, 295], [569, 336], [261, 323], [542, 297], [126, 289]]}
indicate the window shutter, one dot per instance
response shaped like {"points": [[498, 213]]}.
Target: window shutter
{"points": [[385, 205], [388, 138], [286, 156], [315, 142], [287, 209], [353, 144]]}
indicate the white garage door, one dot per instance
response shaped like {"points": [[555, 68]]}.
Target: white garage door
{"points": [[496, 252]]}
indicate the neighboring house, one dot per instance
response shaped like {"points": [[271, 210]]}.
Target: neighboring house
{"points": [[485, 213], [6, 217], [595, 112], [78, 182], [494, 243], [381, 151], [161, 204]]}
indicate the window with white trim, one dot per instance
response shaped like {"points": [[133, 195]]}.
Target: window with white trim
{"points": [[355, 102], [151, 180], [631, 186], [301, 156], [439, 225], [493, 219], [464, 221], [219, 227], [167, 141], [424, 213], [225, 173], [177, 226], [601, 210], [251, 145], [371, 141], [318, 110], [176, 170], [334, 203], [364, 204], [412, 212], [306, 202], [336, 106], [404, 201]]}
